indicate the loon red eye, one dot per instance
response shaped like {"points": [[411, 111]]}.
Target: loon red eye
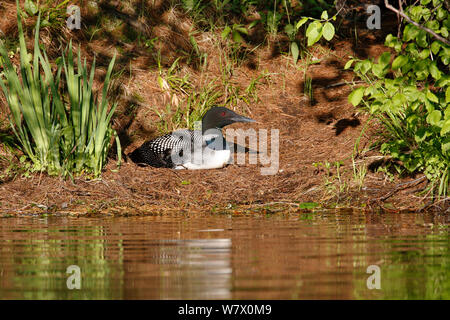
{"points": [[223, 114]]}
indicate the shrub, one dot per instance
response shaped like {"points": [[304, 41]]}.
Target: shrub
{"points": [[410, 96]]}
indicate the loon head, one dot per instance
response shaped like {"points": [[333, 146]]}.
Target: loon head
{"points": [[219, 117]]}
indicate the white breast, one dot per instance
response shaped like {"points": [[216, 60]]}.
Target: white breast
{"points": [[210, 159]]}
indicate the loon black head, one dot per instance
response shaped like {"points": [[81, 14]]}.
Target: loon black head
{"points": [[219, 117]]}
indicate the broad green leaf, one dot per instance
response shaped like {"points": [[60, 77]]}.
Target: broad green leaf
{"points": [[348, 64], [290, 31], [447, 113], [434, 71], [422, 39], [425, 53], [399, 62], [301, 22], [445, 146], [324, 15], [355, 96], [433, 25], [226, 31], [441, 14], [432, 97], [421, 69], [445, 128], [237, 36], [378, 70], [435, 46], [30, 7], [410, 32], [363, 66], [314, 32], [384, 58], [393, 42], [399, 99], [434, 118], [411, 93], [390, 41], [328, 31], [447, 95]]}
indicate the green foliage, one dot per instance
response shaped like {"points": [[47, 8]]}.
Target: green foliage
{"points": [[57, 138], [276, 16], [411, 94], [53, 12], [308, 205], [319, 28], [333, 183], [236, 31]]}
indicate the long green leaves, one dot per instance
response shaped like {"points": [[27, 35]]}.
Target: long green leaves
{"points": [[58, 138]]}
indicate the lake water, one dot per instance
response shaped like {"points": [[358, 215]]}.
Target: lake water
{"points": [[318, 255]]}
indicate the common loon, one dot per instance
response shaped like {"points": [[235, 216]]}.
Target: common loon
{"points": [[191, 149]]}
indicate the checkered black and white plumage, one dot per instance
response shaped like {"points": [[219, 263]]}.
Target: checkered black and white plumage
{"points": [[168, 151]]}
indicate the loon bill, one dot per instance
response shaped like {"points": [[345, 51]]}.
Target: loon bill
{"points": [[191, 149]]}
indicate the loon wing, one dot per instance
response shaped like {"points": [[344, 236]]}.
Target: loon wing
{"points": [[167, 151], [160, 151]]}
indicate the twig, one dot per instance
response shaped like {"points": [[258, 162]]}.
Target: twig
{"points": [[434, 204], [343, 83], [401, 186], [401, 13], [400, 20]]}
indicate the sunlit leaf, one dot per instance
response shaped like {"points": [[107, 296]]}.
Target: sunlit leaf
{"points": [[445, 128], [355, 96], [226, 31], [328, 31], [314, 32], [399, 62], [301, 22], [447, 95], [434, 118], [432, 97], [348, 64]]}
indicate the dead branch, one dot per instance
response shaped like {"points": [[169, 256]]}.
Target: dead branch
{"points": [[402, 186]]}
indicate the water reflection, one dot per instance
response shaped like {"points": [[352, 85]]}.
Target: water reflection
{"points": [[291, 256], [202, 268]]}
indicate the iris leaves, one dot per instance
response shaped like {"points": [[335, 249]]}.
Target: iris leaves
{"points": [[61, 131]]}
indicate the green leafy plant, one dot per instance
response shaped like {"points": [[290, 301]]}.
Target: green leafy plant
{"points": [[317, 29], [53, 12], [236, 31], [333, 183], [320, 28], [275, 16], [60, 132], [410, 94]]}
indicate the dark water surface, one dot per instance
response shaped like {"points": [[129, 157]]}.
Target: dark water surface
{"points": [[323, 255]]}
